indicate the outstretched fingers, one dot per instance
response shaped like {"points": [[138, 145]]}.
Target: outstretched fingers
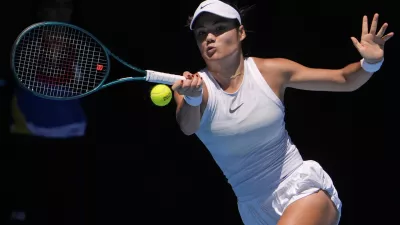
{"points": [[388, 36], [364, 29], [374, 24], [356, 43], [382, 31]]}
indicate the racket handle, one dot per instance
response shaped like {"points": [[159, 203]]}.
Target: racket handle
{"points": [[162, 78]]}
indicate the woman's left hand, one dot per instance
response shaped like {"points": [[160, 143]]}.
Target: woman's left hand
{"points": [[372, 44]]}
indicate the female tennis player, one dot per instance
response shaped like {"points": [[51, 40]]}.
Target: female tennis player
{"points": [[235, 108]]}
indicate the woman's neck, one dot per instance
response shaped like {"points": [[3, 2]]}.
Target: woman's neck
{"points": [[228, 72]]}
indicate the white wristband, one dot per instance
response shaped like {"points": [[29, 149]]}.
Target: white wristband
{"points": [[372, 68], [194, 101]]}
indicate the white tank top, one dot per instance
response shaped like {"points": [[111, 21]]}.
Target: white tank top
{"points": [[245, 133]]}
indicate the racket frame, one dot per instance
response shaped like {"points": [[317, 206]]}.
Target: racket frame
{"points": [[107, 52]]}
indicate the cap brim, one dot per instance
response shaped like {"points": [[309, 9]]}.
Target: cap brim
{"points": [[192, 23]]}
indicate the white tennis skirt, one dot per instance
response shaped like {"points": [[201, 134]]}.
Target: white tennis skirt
{"points": [[309, 178]]}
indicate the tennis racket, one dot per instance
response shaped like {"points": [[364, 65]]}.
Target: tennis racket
{"points": [[61, 61]]}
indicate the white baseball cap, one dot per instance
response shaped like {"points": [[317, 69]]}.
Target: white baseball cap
{"points": [[218, 8]]}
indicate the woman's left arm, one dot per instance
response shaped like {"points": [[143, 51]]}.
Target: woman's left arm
{"points": [[349, 78]]}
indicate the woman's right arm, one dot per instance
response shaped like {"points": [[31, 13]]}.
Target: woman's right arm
{"points": [[189, 110]]}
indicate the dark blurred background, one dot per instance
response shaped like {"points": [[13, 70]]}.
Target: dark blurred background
{"points": [[138, 166]]}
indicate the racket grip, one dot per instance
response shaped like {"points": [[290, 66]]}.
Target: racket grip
{"points": [[162, 78]]}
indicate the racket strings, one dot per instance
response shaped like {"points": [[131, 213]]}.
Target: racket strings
{"points": [[59, 61]]}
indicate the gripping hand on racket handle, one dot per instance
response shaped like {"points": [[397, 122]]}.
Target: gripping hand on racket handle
{"points": [[189, 96], [191, 88]]}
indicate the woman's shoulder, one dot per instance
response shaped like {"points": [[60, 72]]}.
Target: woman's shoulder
{"points": [[273, 70], [268, 66], [270, 63]]}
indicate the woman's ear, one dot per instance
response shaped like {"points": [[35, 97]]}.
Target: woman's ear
{"points": [[242, 33]]}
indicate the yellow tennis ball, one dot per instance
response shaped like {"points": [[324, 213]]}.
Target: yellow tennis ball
{"points": [[161, 95]]}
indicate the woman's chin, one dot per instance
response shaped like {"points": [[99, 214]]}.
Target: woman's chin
{"points": [[212, 57]]}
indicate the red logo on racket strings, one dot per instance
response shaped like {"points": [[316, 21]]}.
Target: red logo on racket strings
{"points": [[99, 67]]}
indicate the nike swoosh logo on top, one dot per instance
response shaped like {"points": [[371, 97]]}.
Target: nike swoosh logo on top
{"points": [[234, 110], [206, 5]]}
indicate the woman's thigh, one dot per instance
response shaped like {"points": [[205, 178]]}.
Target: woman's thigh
{"points": [[315, 209]]}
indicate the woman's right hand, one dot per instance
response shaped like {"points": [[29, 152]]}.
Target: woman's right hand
{"points": [[191, 87]]}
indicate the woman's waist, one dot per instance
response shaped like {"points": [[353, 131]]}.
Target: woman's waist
{"points": [[260, 179]]}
